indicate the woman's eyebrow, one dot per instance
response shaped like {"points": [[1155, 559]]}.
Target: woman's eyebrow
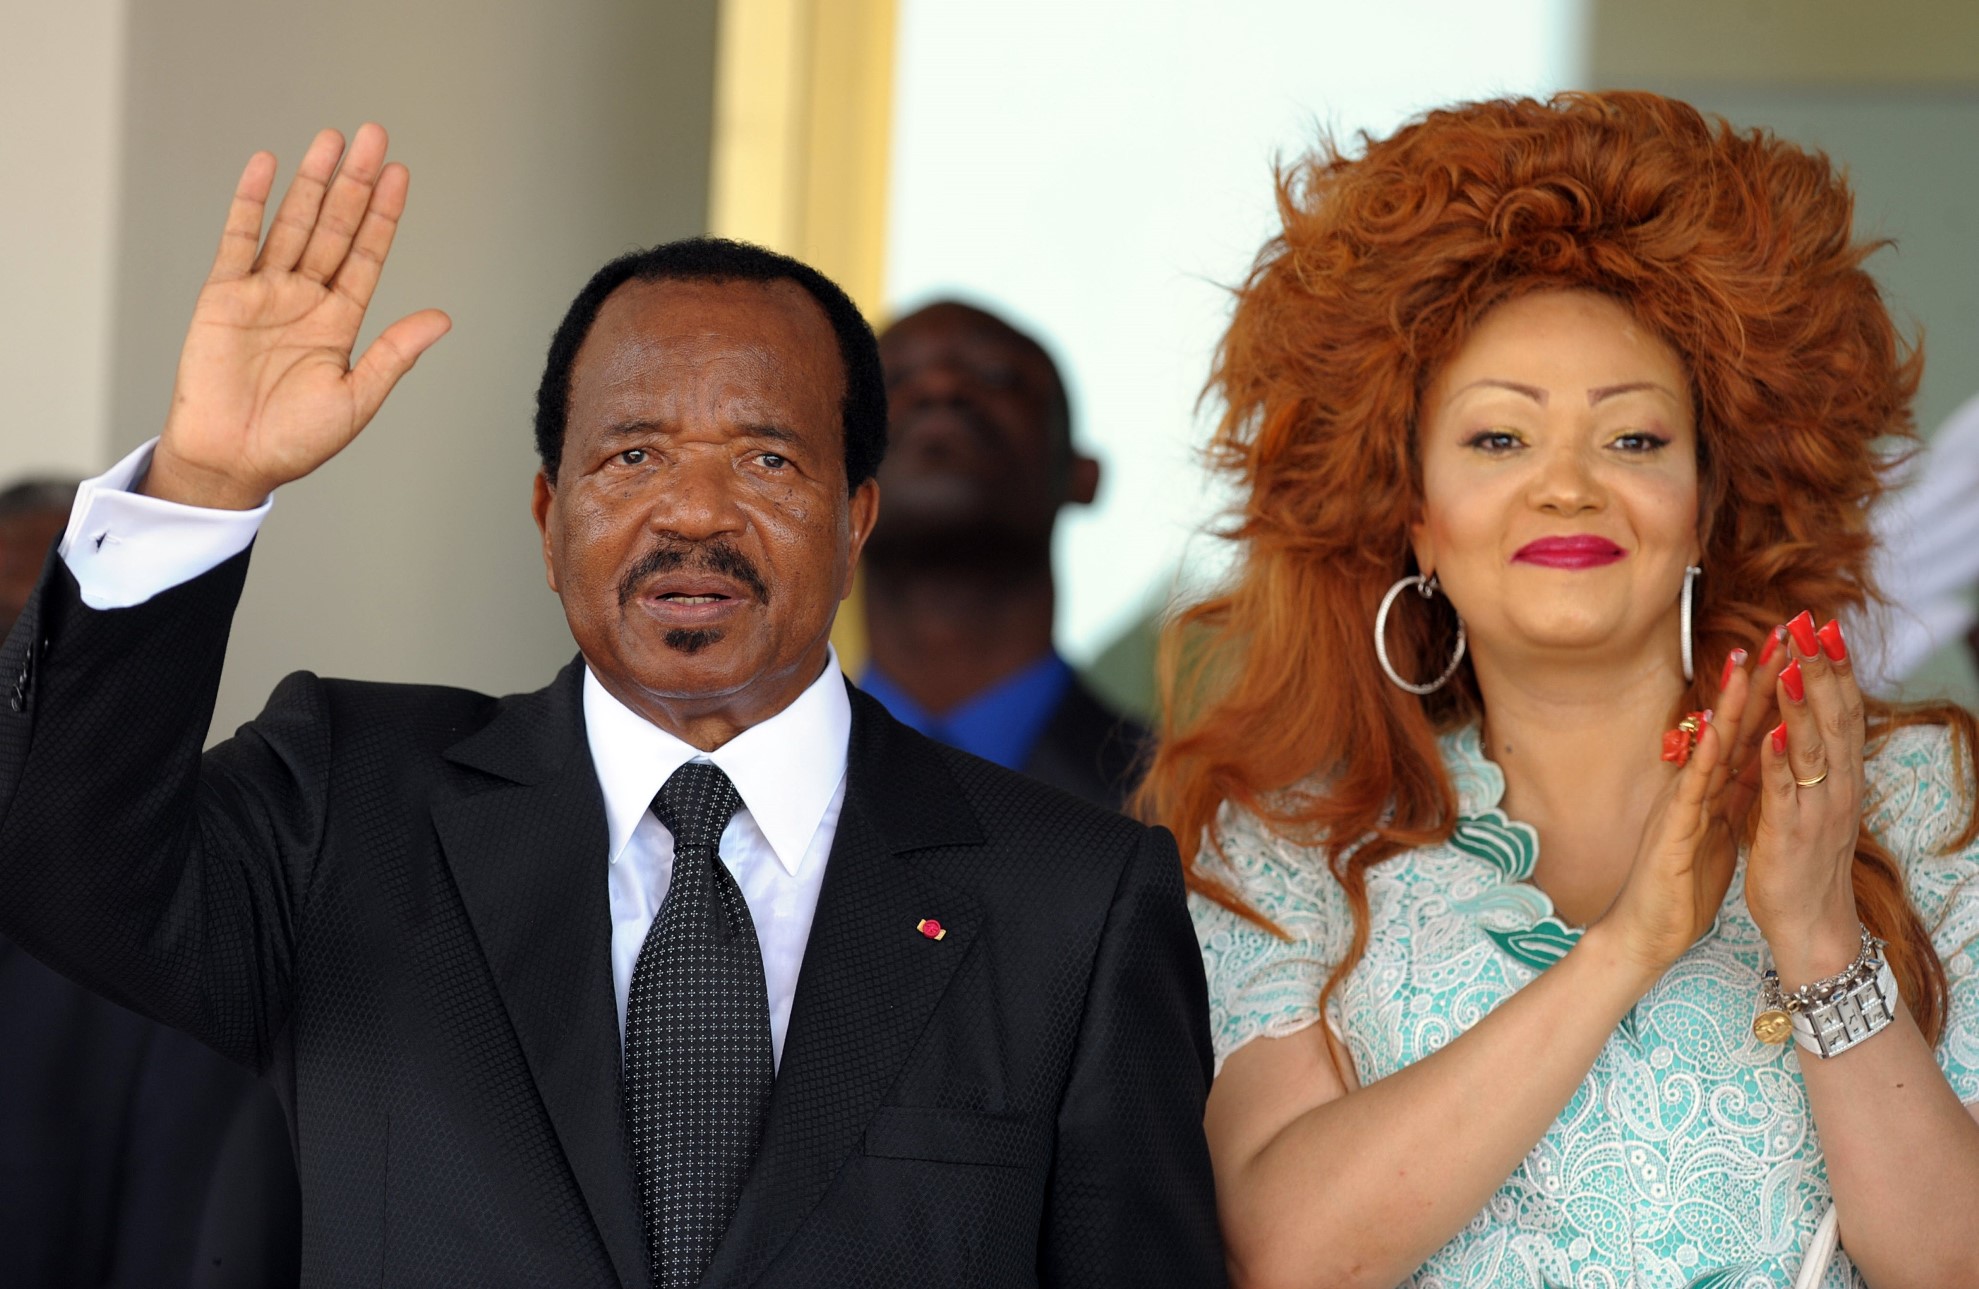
{"points": [[1609, 391], [1532, 392]]}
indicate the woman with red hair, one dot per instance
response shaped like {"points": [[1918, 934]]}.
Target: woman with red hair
{"points": [[1543, 413]]}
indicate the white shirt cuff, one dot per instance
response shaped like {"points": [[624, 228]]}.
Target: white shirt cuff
{"points": [[124, 548]]}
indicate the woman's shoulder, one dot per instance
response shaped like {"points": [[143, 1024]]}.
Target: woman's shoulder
{"points": [[1264, 980], [1919, 790], [1263, 858], [1920, 798], [1266, 866]]}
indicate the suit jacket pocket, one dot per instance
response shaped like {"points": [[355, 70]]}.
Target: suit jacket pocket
{"points": [[951, 1136]]}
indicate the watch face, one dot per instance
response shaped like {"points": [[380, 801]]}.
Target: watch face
{"points": [[1772, 1026]]}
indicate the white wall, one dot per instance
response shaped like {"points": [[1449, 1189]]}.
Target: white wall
{"points": [[1100, 170], [61, 101], [544, 137]]}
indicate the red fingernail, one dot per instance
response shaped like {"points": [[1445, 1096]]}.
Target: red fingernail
{"points": [[1791, 682], [1779, 737], [1831, 642], [1803, 634], [1732, 664], [1773, 639]]}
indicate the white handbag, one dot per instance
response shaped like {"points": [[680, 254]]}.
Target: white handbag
{"points": [[1821, 1249]]}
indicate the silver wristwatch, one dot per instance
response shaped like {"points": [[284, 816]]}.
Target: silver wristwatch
{"points": [[1830, 1016]]}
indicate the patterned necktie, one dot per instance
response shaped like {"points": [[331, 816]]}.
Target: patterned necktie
{"points": [[698, 1063]]}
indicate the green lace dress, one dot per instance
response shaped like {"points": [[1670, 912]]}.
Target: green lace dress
{"points": [[1687, 1159]]}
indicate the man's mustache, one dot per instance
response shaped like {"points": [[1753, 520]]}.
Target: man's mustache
{"points": [[698, 557]]}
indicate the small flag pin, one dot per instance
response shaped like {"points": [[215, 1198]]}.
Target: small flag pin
{"points": [[931, 928]]}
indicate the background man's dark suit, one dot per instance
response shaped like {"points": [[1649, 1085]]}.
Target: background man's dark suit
{"points": [[111, 1125], [394, 898], [130, 1155], [1088, 749]]}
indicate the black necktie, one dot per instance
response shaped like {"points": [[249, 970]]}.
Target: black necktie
{"points": [[698, 1064]]}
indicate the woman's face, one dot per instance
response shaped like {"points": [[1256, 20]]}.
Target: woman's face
{"points": [[1559, 465]]}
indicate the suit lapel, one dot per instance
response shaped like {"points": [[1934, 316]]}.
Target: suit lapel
{"points": [[528, 857], [869, 982]]}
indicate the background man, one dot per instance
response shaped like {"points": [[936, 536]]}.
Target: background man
{"points": [[129, 1154], [692, 968], [959, 593], [33, 513]]}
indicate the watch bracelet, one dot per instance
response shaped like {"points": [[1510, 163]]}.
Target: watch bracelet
{"points": [[1834, 1024], [1868, 954], [1833, 1014]]}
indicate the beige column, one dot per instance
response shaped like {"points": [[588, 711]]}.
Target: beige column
{"points": [[803, 120]]}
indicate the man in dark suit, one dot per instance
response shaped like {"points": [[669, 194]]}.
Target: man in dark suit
{"points": [[692, 967], [959, 595]]}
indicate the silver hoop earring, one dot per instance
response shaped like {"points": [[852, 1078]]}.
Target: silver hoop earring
{"points": [[1425, 587], [1683, 614]]}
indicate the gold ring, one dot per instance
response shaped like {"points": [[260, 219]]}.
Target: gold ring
{"points": [[1808, 783]]}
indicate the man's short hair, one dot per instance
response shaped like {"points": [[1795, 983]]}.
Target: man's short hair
{"points": [[717, 259]]}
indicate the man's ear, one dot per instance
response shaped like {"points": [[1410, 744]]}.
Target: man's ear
{"points": [[541, 501], [1082, 481], [861, 514]]}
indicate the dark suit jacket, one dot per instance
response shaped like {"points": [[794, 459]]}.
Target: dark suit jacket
{"points": [[130, 1155], [393, 898], [1089, 750]]}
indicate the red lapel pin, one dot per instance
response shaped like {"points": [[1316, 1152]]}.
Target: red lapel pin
{"points": [[931, 928]]}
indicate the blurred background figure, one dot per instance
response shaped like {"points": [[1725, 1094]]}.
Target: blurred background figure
{"points": [[130, 1155], [959, 596], [33, 513], [1927, 558]]}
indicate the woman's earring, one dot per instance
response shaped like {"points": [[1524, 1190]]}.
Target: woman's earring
{"points": [[1425, 587], [1683, 614]]}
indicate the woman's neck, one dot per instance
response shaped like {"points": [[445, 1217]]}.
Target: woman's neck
{"points": [[1580, 750]]}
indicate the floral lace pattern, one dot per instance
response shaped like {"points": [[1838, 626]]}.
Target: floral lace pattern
{"points": [[1687, 1158]]}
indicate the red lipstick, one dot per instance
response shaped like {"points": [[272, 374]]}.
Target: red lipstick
{"points": [[1582, 551]]}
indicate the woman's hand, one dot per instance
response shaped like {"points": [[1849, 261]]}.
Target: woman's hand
{"points": [[1798, 881], [266, 388], [1758, 713], [1684, 862]]}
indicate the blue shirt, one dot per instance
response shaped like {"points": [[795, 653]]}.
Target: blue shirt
{"points": [[1001, 724]]}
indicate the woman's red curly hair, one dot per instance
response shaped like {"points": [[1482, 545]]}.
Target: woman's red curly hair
{"points": [[1733, 246]]}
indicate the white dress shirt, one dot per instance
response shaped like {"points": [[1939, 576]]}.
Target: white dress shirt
{"points": [[790, 771], [124, 548]]}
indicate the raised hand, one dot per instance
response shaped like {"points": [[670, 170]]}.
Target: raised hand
{"points": [[1799, 872], [267, 390]]}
